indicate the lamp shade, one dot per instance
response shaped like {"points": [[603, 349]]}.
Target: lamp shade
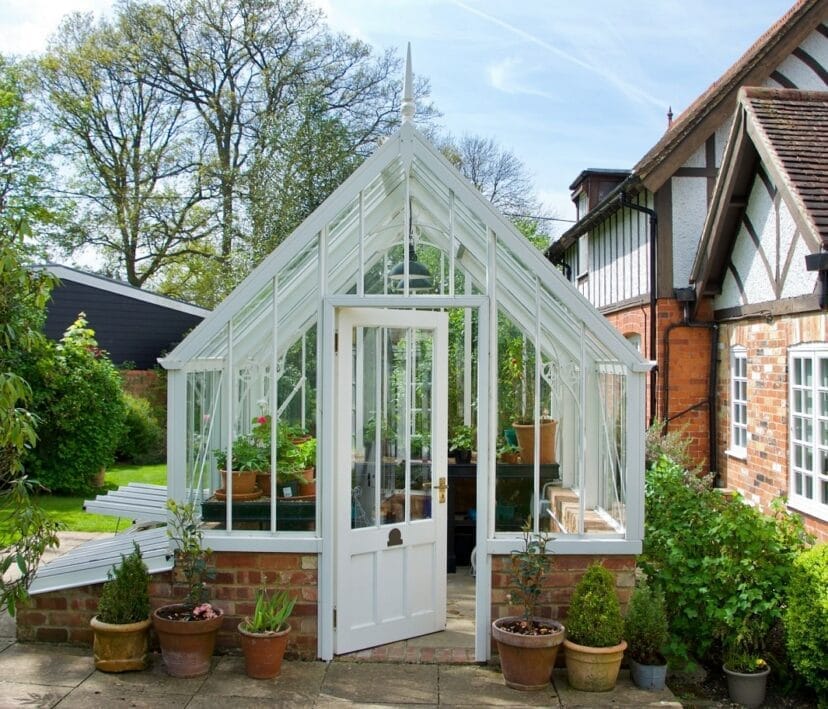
{"points": [[419, 277]]}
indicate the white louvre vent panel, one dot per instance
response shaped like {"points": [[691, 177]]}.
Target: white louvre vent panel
{"points": [[90, 562], [139, 502]]}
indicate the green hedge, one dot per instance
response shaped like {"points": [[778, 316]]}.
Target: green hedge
{"points": [[142, 438]]}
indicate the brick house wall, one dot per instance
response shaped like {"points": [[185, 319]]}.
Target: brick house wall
{"points": [[63, 616], [763, 475], [683, 380]]}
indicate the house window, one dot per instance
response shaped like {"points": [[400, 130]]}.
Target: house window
{"points": [[738, 402], [583, 256], [808, 367]]}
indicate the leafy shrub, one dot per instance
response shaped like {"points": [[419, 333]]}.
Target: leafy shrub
{"points": [[806, 619], [125, 595], [77, 397], [645, 626], [142, 438], [674, 445], [723, 566], [594, 617]]}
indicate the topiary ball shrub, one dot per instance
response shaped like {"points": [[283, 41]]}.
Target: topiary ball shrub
{"points": [[645, 626], [594, 617], [125, 595], [806, 618]]}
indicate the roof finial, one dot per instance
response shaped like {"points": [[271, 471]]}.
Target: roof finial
{"points": [[669, 116], [408, 109]]}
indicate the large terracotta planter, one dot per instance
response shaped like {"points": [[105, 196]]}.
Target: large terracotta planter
{"points": [[187, 646], [263, 652], [527, 660], [120, 647], [745, 688], [526, 440], [593, 669]]}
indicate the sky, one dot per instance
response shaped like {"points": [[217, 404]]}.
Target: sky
{"points": [[564, 85]]}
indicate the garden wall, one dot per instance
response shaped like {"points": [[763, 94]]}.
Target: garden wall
{"points": [[63, 616]]}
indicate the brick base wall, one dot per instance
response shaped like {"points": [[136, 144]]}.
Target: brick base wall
{"points": [[559, 583], [63, 616], [763, 475]]}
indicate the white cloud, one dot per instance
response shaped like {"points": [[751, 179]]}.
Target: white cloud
{"points": [[25, 25], [509, 77]]}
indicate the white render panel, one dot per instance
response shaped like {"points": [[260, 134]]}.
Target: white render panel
{"points": [[797, 71], [798, 280], [618, 259], [689, 211], [697, 159], [722, 133]]}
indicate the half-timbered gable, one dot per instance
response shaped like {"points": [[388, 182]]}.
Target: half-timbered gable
{"points": [[647, 229], [768, 214]]}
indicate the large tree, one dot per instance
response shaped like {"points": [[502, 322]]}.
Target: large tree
{"points": [[133, 159]]}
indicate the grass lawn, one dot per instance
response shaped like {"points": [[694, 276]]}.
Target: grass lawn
{"points": [[69, 510]]}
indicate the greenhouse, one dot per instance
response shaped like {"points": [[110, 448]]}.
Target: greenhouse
{"points": [[398, 388]]}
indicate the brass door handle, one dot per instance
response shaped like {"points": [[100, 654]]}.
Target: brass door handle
{"points": [[442, 486]]}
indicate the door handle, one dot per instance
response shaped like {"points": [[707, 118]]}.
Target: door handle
{"points": [[441, 487]]}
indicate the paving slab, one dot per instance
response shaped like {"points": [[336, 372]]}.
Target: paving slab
{"points": [[153, 681], [299, 683], [54, 666], [18, 694], [483, 685], [85, 698], [368, 683], [625, 694]]}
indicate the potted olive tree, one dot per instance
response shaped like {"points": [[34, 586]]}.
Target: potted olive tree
{"points": [[527, 643], [122, 624], [594, 645], [645, 629], [264, 635], [187, 631]]}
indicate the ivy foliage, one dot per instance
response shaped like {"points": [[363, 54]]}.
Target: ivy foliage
{"points": [[806, 619], [125, 594], [77, 396], [723, 566]]}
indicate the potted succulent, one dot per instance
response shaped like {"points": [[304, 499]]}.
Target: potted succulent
{"points": [[528, 644], [122, 624], [594, 646], [645, 630], [745, 668], [462, 443], [264, 635], [187, 631]]}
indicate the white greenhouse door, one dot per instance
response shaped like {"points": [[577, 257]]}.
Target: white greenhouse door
{"points": [[391, 474]]}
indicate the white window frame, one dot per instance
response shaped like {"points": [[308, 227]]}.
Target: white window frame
{"points": [[738, 402], [808, 431]]}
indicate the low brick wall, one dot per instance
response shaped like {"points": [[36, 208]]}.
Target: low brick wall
{"points": [[560, 582], [63, 616]]}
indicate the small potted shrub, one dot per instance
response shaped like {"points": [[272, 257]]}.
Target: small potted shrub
{"points": [[122, 624], [264, 635], [462, 443], [508, 453], [645, 630], [594, 644], [187, 631], [248, 460], [528, 644]]}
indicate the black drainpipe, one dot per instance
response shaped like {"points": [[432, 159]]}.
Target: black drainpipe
{"points": [[686, 296], [625, 202]]}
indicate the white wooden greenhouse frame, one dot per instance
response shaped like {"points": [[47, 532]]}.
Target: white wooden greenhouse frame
{"points": [[334, 269]]}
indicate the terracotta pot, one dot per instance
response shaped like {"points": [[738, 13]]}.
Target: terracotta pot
{"points": [[244, 481], [120, 647], [593, 669], [309, 486], [747, 688], [526, 441], [526, 661], [187, 646], [263, 652], [263, 482]]}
